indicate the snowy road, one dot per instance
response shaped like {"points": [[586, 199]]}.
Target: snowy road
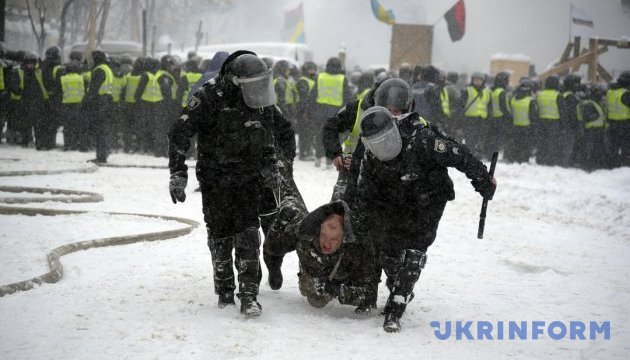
{"points": [[556, 248]]}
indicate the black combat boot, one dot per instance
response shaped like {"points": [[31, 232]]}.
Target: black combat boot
{"points": [[393, 312], [250, 307], [226, 299], [274, 264]]}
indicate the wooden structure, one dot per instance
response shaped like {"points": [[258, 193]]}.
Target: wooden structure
{"points": [[411, 44], [516, 68], [582, 56]]}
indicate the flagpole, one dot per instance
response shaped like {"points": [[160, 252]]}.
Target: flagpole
{"points": [[438, 20]]}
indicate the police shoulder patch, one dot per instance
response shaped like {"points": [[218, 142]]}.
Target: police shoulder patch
{"points": [[439, 146], [193, 103]]}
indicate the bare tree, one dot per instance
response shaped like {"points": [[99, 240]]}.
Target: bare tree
{"points": [[101, 29], [62, 26], [40, 36]]}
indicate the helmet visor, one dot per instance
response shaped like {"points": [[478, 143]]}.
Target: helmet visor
{"points": [[258, 91], [385, 144]]}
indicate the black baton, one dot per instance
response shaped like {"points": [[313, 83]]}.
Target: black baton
{"points": [[484, 205]]}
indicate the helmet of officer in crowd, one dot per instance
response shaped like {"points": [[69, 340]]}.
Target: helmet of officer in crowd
{"points": [[53, 54], [309, 69], [126, 60], [452, 77], [73, 67], [29, 59], [430, 74], [281, 68], [394, 95], [366, 80], [333, 66], [404, 71], [478, 77], [552, 83], [624, 79], [99, 57], [380, 134], [502, 79], [597, 91], [245, 71], [572, 82], [76, 55], [191, 55], [114, 62], [166, 62]]}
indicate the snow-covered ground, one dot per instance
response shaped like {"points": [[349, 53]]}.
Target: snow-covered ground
{"points": [[556, 248]]}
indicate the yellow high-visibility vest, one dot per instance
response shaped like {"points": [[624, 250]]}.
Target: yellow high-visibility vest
{"points": [[496, 106], [330, 89], [520, 111], [130, 88], [1, 78], [353, 138], [600, 121], [289, 97], [107, 85], [310, 83], [152, 91], [617, 111], [72, 88], [40, 82], [477, 106], [362, 94], [445, 101], [192, 78], [117, 87], [547, 101]]}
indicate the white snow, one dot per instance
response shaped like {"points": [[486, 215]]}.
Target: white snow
{"points": [[511, 57], [556, 247]]}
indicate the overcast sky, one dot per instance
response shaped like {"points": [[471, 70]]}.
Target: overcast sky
{"points": [[535, 28]]}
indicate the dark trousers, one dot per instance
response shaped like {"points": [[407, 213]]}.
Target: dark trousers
{"points": [[549, 141], [518, 147], [619, 135]]}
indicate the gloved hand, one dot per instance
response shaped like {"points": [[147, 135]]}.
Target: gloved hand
{"points": [[325, 287], [485, 188], [177, 185], [272, 178]]}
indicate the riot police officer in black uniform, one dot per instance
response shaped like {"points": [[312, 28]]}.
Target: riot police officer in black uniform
{"points": [[403, 186], [235, 117]]}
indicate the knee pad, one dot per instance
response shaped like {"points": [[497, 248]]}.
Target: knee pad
{"points": [[390, 264], [248, 239], [221, 248], [413, 260]]}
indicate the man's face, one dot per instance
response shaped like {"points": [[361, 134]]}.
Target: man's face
{"points": [[331, 234], [29, 65], [477, 82], [395, 112]]}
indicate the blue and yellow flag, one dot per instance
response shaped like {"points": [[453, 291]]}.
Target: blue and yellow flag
{"points": [[294, 25], [386, 16]]}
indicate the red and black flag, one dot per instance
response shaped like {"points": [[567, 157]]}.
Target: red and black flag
{"points": [[456, 20]]}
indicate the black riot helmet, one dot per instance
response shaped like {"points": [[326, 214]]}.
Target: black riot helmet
{"points": [[552, 83], [53, 54], [380, 134], [29, 57], [502, 79], [245, 71], [624, 79], [309, 69], [76, 55], [572, 82], [394, 93], [99, 57], [281, 68]]}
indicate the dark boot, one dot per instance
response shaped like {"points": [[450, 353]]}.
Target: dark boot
{"points": [[393, 312], [274, 264], [250, 307], [223, 272], [226, 299]]}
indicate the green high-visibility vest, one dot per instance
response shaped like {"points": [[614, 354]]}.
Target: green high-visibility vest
{"points": [[87, 76], [547, 101], [131, 86], [617, 110], [477, 106], [520, 111], [1, 78], [445, 101], [117, 87], [330, 89], [289, 97], [600, 121], [107, 85], [38, 77], [192, 78], [496, 106], [72, 88], [152, 91], [353, 138], [159, 74], [310, 83]]}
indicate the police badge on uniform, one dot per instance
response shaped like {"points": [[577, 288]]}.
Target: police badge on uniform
{"points": [[440, 146], [193, 103]]}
